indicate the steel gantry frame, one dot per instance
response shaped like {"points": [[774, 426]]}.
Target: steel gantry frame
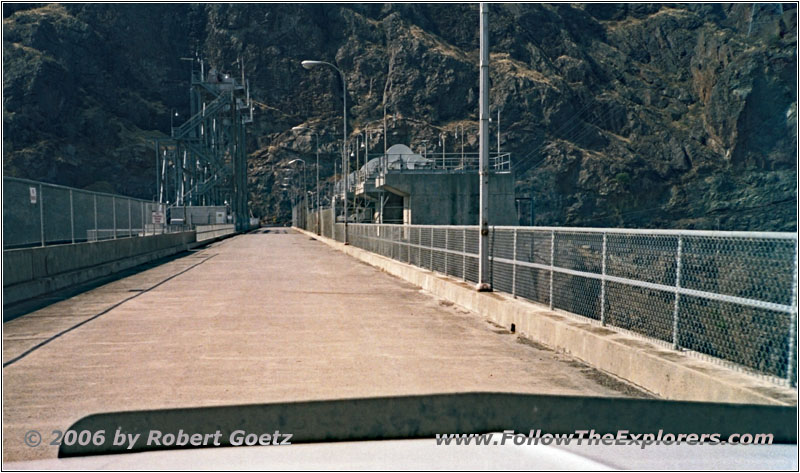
{"points": [[204, 161]]}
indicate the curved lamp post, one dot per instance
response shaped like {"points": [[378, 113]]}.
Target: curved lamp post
{"points": [[313, 132], [305, 189], [308, 65]]}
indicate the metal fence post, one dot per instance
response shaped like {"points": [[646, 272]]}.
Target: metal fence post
{"points": [[141, 210], [96, 237], [130, 222], [552, 260], [675, 343], [71, 218], [41, 214], [603, 285], [431, 258], [114, 214], [514, 267], [407, 236], [419, 248], [446, 234], [790, 368], [464, 254]]}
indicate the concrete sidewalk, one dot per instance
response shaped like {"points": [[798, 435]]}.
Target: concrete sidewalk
{"points": [[271, 316]]}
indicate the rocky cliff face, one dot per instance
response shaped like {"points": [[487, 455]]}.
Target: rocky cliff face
{"points": [[639, 115]]}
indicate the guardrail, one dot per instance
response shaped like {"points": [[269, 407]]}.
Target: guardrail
{"points": [[448, 162], [41, 214], [466, 162], [730, 297]]}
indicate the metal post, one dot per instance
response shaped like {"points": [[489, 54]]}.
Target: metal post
{"points": [[675, 343], [603, 285], [346, 162], [431, 258], [130, 221], [71, 217], [483, 248], [158, 170], [514, 267], [790, 368], [141, 210], [552, 260], [498, 132], [444, 137], [462, 147], [464, 254], [392, 241], [407, 234], [419, 248], [114, 214], [96, 237], [446, 233], [41, 214]]}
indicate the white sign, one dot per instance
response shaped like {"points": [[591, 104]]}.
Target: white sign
{"points": [[158, 217], [33, 195], [220, 217]]}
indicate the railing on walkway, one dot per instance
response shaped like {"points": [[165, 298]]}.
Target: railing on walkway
{"points": [[467, 162], [727, 296], [40, 214], [447, 162]]}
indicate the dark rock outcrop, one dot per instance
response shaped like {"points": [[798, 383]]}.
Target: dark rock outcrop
{"points": [[636, 115]]}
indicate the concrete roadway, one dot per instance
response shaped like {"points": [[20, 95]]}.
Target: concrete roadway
{"points": [[271, 316]]}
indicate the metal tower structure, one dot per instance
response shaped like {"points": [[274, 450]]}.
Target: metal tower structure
{"points": [[204, 162]]}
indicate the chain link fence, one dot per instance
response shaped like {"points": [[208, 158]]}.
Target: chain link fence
{"points": [[40, 214], [730, 297]]}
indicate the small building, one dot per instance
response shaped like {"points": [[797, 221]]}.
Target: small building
{"points": [[444, 189], [200, 215]]}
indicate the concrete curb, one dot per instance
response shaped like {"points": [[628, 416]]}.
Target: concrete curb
{"points": [[666, 373]]}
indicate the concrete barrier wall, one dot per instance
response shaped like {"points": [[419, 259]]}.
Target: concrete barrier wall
{"points": [[31, 272], [207, 232], [666, 373]]}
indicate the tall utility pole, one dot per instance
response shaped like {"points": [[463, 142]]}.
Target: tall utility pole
{"points": [[483, 249]]}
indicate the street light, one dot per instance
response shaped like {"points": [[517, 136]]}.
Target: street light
{"points": [[308, 65], [303, 128], [461, 127], [172, 113], [305, 198], [442, 138], [355, 152], [498, 130], [367, 137]]}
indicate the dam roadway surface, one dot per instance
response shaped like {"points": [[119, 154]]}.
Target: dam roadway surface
{"points": [[268, 316]]}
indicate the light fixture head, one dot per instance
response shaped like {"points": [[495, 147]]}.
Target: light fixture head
{"points": [[309, 64]]}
